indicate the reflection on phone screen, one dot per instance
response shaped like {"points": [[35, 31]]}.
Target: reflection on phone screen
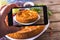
{"points": [[28, 16]]}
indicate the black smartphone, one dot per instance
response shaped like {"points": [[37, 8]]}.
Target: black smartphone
{"points": [[26, 16]]}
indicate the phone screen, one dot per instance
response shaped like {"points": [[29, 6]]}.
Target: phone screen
{"points": [[28, 16]]}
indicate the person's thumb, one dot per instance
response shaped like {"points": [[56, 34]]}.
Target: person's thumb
{"points": [[13, 29]]}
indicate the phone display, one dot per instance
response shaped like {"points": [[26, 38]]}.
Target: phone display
{"points": [[35, 15]]}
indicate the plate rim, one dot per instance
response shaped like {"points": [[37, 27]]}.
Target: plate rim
{"points": [[14, 18], [46, 27]]}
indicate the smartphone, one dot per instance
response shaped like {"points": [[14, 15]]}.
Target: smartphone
{"points": [[27, 16]]}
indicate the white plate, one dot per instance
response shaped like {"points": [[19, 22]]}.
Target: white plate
{"points": [[14, 18], [46, 26], [28, 3]]}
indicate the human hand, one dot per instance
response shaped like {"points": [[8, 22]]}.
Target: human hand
{"points": [[4, 29]]}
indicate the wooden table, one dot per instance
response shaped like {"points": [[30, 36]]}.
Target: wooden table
{"points": [[53, 32]]}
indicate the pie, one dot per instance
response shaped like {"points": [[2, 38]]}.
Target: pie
{"points": [[27, 32], [26, 16]]}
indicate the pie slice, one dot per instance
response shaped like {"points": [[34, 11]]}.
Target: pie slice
{"points": [[27, 32]]}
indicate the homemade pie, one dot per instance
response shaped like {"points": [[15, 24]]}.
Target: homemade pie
{"points": [[26, 16], [26, 32]]}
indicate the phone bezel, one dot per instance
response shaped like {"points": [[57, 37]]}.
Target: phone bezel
{"points": [[10, 18]]}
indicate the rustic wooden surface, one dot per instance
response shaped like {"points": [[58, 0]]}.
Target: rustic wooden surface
{"points": [[53, 32]]}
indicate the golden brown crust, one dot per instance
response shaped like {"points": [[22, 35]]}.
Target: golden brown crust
{"points": [[27, 32], [26, 16]]}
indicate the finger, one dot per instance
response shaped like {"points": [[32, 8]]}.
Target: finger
{"points": [[13, 29], [6, 10], [2, 7], [6, 20]]}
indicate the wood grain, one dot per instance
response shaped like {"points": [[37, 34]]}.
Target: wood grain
{"points": [[53, 32], [47, 36], [55, 17]]}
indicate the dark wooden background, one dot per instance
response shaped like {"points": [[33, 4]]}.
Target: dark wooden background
{"points": [[53, 32]]}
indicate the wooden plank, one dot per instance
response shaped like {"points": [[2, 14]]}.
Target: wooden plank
{"points": [[47, 36], [53, 5], [54, 8], [51, 2], [55, 17], [55, 32], [55, 27], [47, 2]]}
